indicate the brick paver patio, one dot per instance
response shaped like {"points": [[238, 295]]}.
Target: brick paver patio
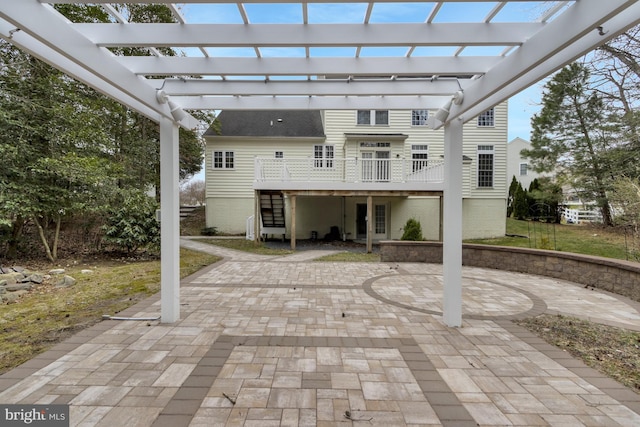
{"points": [[286, 341]]}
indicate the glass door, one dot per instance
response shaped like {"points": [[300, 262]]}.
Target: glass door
{"points": [[367, 166], [382, 165]]}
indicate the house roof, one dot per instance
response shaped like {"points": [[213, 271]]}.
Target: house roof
{"points": [[269, 123], [376, 136]]}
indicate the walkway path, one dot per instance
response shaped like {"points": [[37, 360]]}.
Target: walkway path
{"points": [[281, 341]]}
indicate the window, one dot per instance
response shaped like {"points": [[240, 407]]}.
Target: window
{"points": [[279, 155], [381, 219], [323, 156], [419, 117], [486, 119], [419, 156], [223, 160], [524, 168], [485, 165], [373, 117], [375, 144]]}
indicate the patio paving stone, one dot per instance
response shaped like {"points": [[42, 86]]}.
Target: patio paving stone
{"points": [[283, 340]]}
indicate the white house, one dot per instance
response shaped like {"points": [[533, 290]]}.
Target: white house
{"points": [[309, 173], [518, 165]]}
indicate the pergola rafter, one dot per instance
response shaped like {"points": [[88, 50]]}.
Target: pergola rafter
{"points": [[236, 66], [526, 52], [307, 35]]}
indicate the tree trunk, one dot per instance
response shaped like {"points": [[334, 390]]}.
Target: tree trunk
{"points": [[16, 233], [56, 237], [607, 219], [43, 238]]}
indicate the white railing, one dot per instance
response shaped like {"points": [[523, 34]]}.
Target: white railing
{"points": [[348, 170], [249, 227]]}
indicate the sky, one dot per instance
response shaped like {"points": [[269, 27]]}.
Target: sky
{"points": [[522, 106]]}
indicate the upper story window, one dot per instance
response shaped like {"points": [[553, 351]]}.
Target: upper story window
{"points": [[279, 155], [223, 160], [486, 119], [419, 156], [485, 165], [373, 117], [419, 117], [323, 156], [524, 168]]}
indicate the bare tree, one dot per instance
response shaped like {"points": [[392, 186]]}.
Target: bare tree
{"points": [[193, 193]]}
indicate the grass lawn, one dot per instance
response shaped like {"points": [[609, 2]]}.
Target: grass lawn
{"points": [[48, 315], [582, 239], [246, 246], [350, 257], [613, 351]]}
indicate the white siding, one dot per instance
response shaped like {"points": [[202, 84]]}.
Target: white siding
{"points": [[483, 218], [424, 209], [230, 192], [514, 159], [228, 214], [239, 182], [496, 136]]}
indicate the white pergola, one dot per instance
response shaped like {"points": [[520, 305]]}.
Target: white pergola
{"points": [[318, 63]]}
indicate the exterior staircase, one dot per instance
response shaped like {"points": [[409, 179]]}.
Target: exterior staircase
{"points": [[272, 212]]}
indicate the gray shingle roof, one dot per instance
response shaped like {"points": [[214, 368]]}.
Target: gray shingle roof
{"points": [[275, 123]]}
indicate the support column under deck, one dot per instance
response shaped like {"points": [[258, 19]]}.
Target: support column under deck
{"points": [[293, 222], [369, 224], [169, 223], [452, 225], [256, 217]]}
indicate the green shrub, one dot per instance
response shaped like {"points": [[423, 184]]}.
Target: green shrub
{"points": [[133, 224], [412, 230]]}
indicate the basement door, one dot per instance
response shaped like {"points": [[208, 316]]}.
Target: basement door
{"points": [[379, 221]]}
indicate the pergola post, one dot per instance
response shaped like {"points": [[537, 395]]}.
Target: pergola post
{"points": [[169, 222], [452, 239]]}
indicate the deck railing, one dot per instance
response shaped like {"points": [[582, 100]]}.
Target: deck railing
{"points": [[350, 170]]}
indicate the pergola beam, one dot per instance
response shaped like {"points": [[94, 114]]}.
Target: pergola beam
{"points": [[616, 25], [369, 66], [308, 35], [319, 87], [311, 102], [64, 42], [37, 49], [273, 1], [570, 35]]}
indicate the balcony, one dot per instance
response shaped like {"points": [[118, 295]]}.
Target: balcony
{"points": [[348, 174]]}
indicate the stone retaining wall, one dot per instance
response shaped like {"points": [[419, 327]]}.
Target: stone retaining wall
{"points": [[620, 277]]}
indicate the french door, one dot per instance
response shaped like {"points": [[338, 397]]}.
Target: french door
{"points": [[375, 166]]}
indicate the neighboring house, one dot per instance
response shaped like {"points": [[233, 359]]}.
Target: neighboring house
{"points": [[519, 166], [574, 210], [333, 170]]}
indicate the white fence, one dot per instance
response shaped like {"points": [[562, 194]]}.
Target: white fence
{"points": [[576, 216]]}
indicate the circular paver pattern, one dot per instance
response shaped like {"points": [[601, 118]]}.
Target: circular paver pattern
{"points": [[482, 299]]}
